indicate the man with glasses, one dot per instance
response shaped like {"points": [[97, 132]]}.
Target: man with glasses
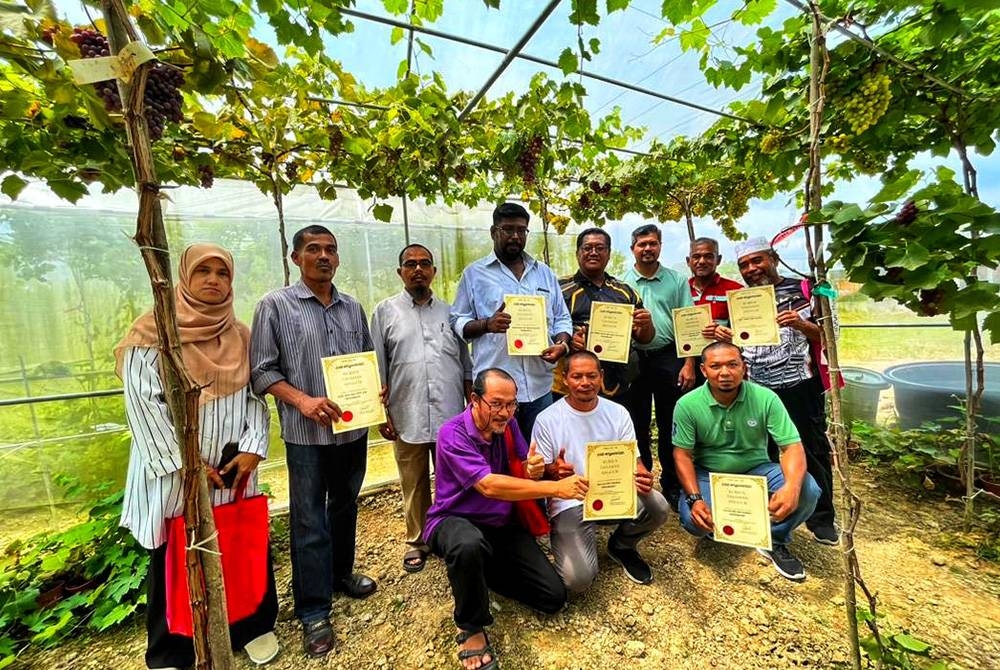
{"points": [[663, 376], [592, 284], [472, 524], [428, 372], [478, 315]]}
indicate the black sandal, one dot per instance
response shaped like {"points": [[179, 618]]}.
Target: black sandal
{"points": [[418, 558], [477, 653]]}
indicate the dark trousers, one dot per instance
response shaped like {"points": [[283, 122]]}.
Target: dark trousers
{"points": [[324, 482], [505, 559], [164, 650], [805, 405], [527, 413], [656, 385]]}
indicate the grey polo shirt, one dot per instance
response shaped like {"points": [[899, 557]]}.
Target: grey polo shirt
{"points": [[291, 332]]}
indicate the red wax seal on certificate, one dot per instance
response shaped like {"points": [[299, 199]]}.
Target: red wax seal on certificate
{"points": [[744, 335], [518, 344], [598, 348], [598, 505], [346, 417], [686, 347], [728, 530]]}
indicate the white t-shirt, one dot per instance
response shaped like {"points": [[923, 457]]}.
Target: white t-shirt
{"points": [[560, 426]]}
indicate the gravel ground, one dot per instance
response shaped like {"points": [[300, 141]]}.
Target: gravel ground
{"points": [[710, 606]]}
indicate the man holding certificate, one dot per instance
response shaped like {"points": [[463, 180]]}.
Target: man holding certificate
{"points": [[293, 328], [585, 433], [723, 427], [708, 287], [476, 523], [482, 316], [792, 370], [590, 289]]}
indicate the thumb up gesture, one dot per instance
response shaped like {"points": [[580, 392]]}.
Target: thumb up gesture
{"points": [[561, 468], [534, 464]]}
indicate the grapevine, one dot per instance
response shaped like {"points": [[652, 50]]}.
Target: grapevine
{"points": [[868, 104], [528, 160]]}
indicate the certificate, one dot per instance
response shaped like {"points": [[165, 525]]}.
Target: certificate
{"points": [[739, 510], [528, 334], [753, 316], [353, 383], [609, 334], [611, 472], [688, 324]]}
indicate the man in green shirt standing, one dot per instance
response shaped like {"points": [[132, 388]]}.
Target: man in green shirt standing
{"points": [[723, 426], [663, 377]]}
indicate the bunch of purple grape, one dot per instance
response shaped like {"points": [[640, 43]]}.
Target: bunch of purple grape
{"points": [[162, 98], [93, 44], [206, 174]]}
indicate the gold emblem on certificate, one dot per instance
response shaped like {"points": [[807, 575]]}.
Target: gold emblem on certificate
{"points": [[528, 334], [688, 324], [609, 334], [739, 510], [753, 316], [611, 473], [353, 383]]}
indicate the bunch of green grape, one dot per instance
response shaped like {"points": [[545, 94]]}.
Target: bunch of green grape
{"points": [[770, 143], [869, 102]]}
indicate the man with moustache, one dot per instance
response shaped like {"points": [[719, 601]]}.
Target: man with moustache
{"points": [[427, 370], [724, 426], [708, 287], [791, 370], [663, 376], [472, 524], [591, 284], [562, 432], [478, 314], [293, 328]]}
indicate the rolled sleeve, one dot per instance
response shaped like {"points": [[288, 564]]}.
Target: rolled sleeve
{"points": [[265, 365], [462, 310], [255, 436]]}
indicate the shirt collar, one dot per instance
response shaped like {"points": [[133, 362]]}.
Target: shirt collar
{"points": [[715, 279], [529, 260], [300, 290], [660, 271], [470, 427], [581, 278], [408, 299], [739, 396]]}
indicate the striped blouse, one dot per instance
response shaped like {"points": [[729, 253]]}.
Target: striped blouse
{"points": [[154, 486]]}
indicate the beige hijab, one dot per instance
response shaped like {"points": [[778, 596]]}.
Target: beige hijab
{"points": [[215, 346]]}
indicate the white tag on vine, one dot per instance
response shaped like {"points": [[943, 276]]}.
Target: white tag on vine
{"points": [[130, 58], [122, 66]]}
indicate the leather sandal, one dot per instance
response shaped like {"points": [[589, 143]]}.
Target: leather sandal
{"points": [[464, 654], [414, 560]]}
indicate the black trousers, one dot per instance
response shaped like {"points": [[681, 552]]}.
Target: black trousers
{"points": [[164, 650], [506, 559], [806, 406], [656, 385]]}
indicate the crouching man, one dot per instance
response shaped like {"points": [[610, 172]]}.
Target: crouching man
{"points": [[473, 524], [723, 427]]}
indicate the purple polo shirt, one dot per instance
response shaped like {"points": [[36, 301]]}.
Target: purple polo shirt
{"points": [[463, 459]]}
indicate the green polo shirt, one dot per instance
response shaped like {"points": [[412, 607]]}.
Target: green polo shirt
{"points": [[661, 294], [731, 439]]}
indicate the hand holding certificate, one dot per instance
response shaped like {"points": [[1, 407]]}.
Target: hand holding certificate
{"points": [[739, 510], [609, 334], [528, 334], [353, 383], [753, 316], [688, 324], [611, 473]]}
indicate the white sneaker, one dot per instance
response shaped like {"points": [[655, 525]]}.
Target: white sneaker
{"points": [[262, 649]]}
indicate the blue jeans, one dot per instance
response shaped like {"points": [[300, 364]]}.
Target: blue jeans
{"points": [[527, 412], [323, 482], [781, 532]]}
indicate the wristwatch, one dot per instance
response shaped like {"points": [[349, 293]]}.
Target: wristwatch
{"points": [[692, 498]]}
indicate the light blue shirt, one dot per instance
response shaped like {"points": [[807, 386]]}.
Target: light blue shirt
{"points": [[661, 294], [480, 294]]}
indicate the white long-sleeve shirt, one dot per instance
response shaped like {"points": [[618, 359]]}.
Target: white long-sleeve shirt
{"points": [[154, 486]]}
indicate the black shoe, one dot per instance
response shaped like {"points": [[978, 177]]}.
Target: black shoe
{"points": [[785, 562], [826, 535], [673, 497], [317, 638], [356, 586], [636, 569]]}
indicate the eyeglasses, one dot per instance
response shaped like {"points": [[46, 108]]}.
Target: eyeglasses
{"points": [[497, 406], [511, 231], [423, 263], [594, 249]]}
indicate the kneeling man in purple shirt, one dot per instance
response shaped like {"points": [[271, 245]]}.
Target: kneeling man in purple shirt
{"points": [[472, 524]]}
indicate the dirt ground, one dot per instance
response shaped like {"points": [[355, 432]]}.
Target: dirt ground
{"points": [[710, 606]]}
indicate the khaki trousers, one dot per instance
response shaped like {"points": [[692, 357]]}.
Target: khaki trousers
{"points": [[413, 462]]}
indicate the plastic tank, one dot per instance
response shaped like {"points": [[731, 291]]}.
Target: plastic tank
{"points": [[926, 391], [861, 391]]}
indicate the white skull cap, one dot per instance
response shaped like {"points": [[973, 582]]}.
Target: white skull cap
{"points": [[752, 246]]}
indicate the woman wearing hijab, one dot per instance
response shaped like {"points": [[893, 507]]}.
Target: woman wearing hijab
{"points": [[215, 347]]}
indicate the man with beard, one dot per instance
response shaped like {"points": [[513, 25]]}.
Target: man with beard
{"points": [[724, 426], [472, 524], [428, 372], [791, 370], [478, 314], [663, 376], [293, 328]]}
